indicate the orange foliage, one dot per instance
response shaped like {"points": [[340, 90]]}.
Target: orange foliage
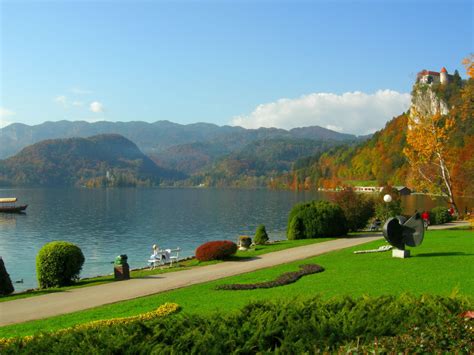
{"points": [[463, 173], [469, 64]]}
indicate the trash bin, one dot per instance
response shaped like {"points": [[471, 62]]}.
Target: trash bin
{"points": [[121, 268]]}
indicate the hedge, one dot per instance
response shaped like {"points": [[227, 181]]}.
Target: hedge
{"points": [[385, 324], [440, 215], [316, 219]]}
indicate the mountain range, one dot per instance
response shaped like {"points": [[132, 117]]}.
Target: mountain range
{"points": [[78, 153], [153, 138]]}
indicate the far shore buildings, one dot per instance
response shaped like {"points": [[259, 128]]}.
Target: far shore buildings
{"points": [[403, 190]]}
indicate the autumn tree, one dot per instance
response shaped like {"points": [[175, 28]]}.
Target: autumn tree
{"points": [[429, 154], [469, 64]]}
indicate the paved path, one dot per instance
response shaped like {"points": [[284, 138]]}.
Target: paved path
{"points": [[78, 299]]}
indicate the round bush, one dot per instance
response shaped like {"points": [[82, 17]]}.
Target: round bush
{"points": [[440, 215], [58, 264], [316, 219], [261, 236], [6, 286], [216, 250]]}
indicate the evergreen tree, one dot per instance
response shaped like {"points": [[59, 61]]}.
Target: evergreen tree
{"points": [[6, 286], [261, 236]]}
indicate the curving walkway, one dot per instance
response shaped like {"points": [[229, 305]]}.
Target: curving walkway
{"points": [[78, 299]]}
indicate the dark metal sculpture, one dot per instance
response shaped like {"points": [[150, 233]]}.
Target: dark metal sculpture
{"points": [[400, 232]]}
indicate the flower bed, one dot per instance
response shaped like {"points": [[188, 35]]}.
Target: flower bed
{"points": [[282, 280]]}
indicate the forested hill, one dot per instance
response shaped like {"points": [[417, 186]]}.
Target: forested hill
{"points": [[380, 160], [156, 138], [102, 160], [259, 162]]}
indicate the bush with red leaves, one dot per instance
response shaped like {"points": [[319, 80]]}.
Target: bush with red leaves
{"points": [[216, 250]]}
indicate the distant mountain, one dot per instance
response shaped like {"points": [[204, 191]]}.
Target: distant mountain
{"points": [[100, 160], [259, 161], [155, 138], [192, 157]]}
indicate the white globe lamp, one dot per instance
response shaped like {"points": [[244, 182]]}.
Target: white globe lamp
{"points": [[387, 198]]}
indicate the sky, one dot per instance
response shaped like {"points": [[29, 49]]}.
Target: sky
{"points": [[343, 65]]}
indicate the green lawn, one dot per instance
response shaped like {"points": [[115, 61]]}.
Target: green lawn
{"points": [[184, 265], [442, 265]]}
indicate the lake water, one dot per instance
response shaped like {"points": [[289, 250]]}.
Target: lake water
{"points": [[107, 222]]}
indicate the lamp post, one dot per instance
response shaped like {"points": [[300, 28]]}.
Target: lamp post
{"points": [[387, 198]]}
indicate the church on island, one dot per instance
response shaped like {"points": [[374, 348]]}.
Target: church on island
{"points": [[433, 77]]}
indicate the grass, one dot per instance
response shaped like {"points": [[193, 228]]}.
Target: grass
{"points": [[183, 265], [442, 265]]}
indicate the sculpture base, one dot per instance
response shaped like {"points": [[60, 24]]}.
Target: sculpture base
{"points": [[397, 253]]}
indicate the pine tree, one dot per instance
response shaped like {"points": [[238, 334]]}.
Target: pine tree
{"points": [[6, 286]]}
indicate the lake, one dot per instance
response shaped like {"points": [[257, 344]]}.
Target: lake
{"points": [[107, 222]]}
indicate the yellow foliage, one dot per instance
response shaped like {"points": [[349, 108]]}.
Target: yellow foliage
{"points": [[429, 154], [162, 311], [469, 64]]}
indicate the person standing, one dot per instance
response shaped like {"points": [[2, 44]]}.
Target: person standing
{"points": [[426, 219]]}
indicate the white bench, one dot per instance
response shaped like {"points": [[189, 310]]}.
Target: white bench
{"points": [[164, 256]]}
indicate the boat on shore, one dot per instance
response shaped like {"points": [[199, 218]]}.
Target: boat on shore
{"points": [[8, 205]]}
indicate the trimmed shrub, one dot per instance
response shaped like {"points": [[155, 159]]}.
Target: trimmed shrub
{"points": [[216, 250], [296, 229], [261, 236], [358, 208], [282, 280], [6, 286], [316, 219], [440, 215], [58, 264], [245, 241]]}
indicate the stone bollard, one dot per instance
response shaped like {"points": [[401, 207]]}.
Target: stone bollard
{"points": [[121, 268]]}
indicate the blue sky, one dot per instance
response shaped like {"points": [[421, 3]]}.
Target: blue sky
{"points": [[346, 65]]}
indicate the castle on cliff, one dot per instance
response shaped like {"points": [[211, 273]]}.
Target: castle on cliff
{"points": [[433, 77]]}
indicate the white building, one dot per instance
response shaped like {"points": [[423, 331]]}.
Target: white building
{"points": [[433, 77]]}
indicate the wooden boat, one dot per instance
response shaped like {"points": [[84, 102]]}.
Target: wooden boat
{"points": [[7, 205]]}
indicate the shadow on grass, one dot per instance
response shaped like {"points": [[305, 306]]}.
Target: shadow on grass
{"points": [[455, 253]]}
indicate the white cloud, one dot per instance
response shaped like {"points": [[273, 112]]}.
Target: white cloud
{"points": [[5, 112], [62, 100], [96, 107], [352, 112]]}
